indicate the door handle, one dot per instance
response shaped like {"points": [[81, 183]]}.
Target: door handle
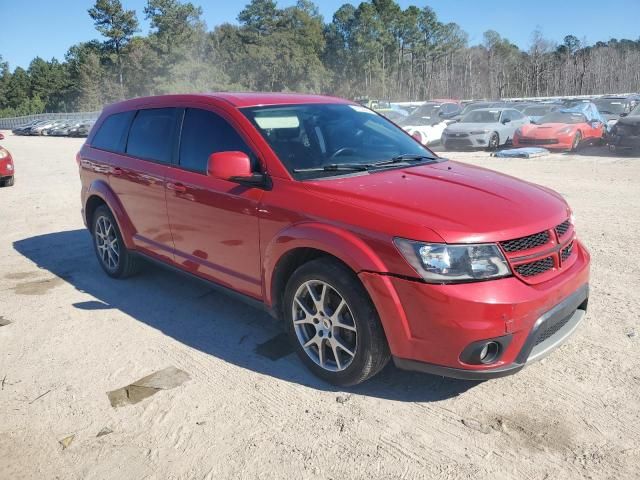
{"points": [[176, 187], [117, 171]]}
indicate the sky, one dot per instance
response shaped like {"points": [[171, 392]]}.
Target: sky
{"points": [[47, 28]]}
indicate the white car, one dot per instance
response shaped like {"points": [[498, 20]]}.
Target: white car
{"points": [[428, 121]]}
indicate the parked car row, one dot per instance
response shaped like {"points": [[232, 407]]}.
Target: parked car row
{"points": [[557, 124], [56, 128]]}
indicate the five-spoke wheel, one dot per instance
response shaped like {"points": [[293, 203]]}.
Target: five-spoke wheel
{"points": [[110, 249], [333, 324], [324, 325], [107, 244]]}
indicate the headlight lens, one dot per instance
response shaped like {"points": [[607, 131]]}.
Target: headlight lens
{"points": [[3, 153], [565, 130], [442, 263]]}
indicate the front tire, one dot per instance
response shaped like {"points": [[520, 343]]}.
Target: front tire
{"points": [[494, 142], [7, 182], [575, 145], [333, 324], [114, 257]]}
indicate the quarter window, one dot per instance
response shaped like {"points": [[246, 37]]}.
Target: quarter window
{"points": [[112, 134], [151, 134], [204, 133]]}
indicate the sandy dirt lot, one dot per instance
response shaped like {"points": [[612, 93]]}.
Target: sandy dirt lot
{"points": [[249, 409]]}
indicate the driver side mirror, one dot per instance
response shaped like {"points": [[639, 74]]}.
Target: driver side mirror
{"points": [[622, 115], [505, 121], [235, 167]]}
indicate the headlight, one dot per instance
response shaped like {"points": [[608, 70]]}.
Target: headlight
{"points": [[442, 263], [3, 153], [565, 130], [478, 132], [518, 131]]}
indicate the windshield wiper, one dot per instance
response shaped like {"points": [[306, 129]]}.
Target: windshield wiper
{"points": [[334, 167], [404, 158]]}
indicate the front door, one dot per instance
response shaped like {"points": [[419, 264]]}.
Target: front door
{"points": [[214, 222]]}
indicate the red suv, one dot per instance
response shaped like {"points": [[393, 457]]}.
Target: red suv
{"points": [[365, 243]]}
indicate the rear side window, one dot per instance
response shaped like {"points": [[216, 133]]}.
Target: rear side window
{"points": [[112, 134], [151, 134], [204, 133]]}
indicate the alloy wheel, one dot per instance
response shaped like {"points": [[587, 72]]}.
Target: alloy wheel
{"points": [[324, 325], [107, 243]]}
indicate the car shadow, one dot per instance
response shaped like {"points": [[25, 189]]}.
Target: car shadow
{"points": [[603, 151], [195, 314]]}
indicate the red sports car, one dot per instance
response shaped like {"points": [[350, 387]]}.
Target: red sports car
{"points": [[560, 130], [6, 168]]}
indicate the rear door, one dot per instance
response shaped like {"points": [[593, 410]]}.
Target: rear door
{"points": [[214, 222], [138, 178]]}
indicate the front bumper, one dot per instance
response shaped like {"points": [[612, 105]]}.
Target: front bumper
{"points": [[465, 140], [429, 326], [562, 321], [561, 142], [626, 141], [6, 168]]}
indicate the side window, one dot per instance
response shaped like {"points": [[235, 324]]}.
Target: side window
{"points": [[516, 115], [204, 133], [151, 134], [112, 134]]}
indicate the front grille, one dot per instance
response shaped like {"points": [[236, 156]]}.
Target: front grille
{"points": [[538, 141], [457, 142], [526, 243], [551, 330], [535, 268], [563, 228], [457, 135], [566, 252]]}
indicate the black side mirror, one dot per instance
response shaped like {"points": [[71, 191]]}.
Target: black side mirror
{"points": [[624, 114], [505, 121]]}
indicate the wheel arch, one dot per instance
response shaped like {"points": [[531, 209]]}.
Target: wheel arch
{"points": [[100, 193], [301, 243]]}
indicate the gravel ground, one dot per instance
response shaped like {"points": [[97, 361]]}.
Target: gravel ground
{"points": [[248, 409]]}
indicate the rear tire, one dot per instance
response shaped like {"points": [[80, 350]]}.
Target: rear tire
{"points": [[333, 324], [113, 256]]}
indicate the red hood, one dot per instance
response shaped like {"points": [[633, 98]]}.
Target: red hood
{"points": [[461, 203], [547, 130]]}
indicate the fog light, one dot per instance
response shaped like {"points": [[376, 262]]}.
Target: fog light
{"points": [[489, 352]]}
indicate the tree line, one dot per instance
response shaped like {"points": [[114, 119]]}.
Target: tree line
{"points": [[374, 49]]}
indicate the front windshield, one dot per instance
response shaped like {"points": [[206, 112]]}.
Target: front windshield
{"points": [[610, 105], [635, 112], [426, 114], [481, 116], [314, 136], [563, 117], [473, 106], [537, 110]]}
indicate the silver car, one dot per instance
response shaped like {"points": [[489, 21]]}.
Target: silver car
{"points": [[484, 128]]}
